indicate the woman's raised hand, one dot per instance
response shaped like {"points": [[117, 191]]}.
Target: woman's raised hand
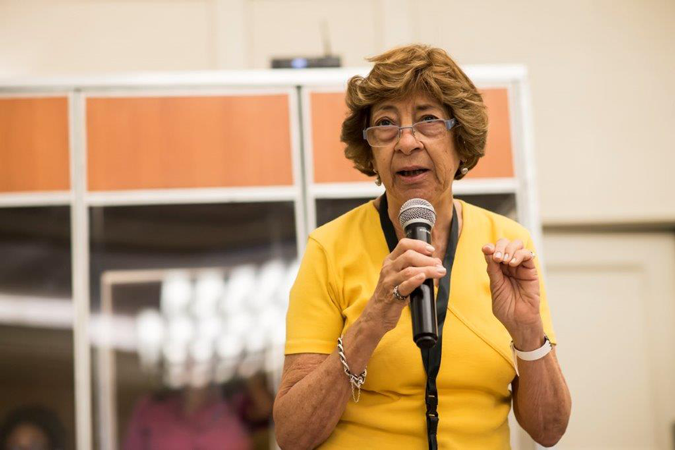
{"points": [[407, 267], [514, 283]]}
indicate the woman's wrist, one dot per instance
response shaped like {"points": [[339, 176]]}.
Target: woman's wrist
{"points": [[528, 338], [360, 342], [369, 328]]}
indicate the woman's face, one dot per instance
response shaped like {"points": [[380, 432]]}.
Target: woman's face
{"points": [[415, 166]]}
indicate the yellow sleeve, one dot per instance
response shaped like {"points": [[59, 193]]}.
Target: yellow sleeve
{"points": [[314, 320], [543, 306]]}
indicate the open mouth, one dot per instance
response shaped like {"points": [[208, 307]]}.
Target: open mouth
{"points": [[412, 173]]}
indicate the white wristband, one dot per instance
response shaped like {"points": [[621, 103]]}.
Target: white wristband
{"points": [[530, 356]]}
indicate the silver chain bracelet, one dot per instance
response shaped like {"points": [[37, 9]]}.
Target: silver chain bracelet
{"points": [[354, 380]]}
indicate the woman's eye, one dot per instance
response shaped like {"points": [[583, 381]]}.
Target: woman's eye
{"points": [[428, 117], [384, 122]]}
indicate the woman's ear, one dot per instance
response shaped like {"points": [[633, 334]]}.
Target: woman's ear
{"points": [[378, 180]]}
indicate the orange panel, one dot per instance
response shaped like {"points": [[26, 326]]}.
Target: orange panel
{"points": [[498, 159], [331, 166], [188, 142], [328, 110], [34, 153]]}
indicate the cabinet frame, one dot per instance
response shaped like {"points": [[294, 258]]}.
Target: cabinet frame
{"points": [[304, 193]]}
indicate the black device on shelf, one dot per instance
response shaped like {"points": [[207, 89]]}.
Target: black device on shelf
{"points": [[302, 62]]}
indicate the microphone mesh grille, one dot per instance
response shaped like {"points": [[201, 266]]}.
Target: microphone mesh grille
{"points": [[416, 209]]}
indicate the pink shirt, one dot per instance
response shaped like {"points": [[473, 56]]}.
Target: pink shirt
{"points": [[162, 425]]}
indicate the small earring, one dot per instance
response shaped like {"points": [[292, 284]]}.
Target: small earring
{"points": [[464, 171]]}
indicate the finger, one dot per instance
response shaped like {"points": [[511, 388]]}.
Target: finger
{"points": [[522, 257], [511, 249], [406, 287], [493, 267], [500, 246], [406, 244], [412, 258], [432, 272], [488, 249]]}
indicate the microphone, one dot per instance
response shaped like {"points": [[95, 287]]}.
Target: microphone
{"points": [[417, 218]]}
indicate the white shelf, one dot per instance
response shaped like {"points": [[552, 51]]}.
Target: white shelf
{"points": [[370, 190], [197, 195], [345, 190], [486, 186], [58, 314], [39, 312], [155, 197], [22, 199]]}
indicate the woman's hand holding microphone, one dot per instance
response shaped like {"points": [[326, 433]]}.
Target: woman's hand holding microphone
{"points": [[403, 270]]}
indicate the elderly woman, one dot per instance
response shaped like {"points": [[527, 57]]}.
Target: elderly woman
{"points": [[417, 123]]}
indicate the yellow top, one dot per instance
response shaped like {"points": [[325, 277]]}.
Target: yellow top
{"points": [[337, 276]]}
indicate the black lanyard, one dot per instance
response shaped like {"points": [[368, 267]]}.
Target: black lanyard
{"points": [[430, 357]]}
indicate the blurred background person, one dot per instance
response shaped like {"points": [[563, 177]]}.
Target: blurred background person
{"points": [[32, 428], [208, 418]]}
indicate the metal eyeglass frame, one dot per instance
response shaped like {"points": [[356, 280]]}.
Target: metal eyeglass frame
{"points": [[449, 124]]}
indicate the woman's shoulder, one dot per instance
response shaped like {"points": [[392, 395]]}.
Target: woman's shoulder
{"points": [[493, 224]]}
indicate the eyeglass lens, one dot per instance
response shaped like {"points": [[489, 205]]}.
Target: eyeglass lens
{"points": [[385, 135]]}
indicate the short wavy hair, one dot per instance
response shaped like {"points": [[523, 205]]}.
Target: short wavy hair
{"points": [[408, 70]]}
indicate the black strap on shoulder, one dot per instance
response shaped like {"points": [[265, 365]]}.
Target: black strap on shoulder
{"points": [[430, 357]]}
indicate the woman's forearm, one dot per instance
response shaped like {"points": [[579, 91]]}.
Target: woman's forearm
{"points": [[309, 407], [542, 402]]}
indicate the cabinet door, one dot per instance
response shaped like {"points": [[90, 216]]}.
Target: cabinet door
{"points": [[611, 298], [36, 317], [189, 304], [137, 143], [34, 154]]}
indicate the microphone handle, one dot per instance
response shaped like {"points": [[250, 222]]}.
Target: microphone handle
{"points": [[422, 301]]}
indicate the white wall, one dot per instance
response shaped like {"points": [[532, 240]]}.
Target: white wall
{"points": [[42, 37], [603, 84], [602, 71]]}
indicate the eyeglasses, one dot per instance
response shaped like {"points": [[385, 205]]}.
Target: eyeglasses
{"points": [[384, 135]]}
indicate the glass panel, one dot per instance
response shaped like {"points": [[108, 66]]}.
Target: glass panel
{"points": [[36, 338], [190, 305], [504, 204], [329, 209]]}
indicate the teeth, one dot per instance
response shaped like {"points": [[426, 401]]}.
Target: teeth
{"points": [[410, 173]]}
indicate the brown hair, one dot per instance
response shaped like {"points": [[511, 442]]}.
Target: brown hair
{"points": [[401, 72]]}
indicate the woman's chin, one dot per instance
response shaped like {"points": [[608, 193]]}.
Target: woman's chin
{"points": [[432, 194], [410, 192]]}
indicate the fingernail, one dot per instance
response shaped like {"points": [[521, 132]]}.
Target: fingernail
{"points": [[430, 248], [512, 260], [498, 255], [440, 269], [506, 257]]}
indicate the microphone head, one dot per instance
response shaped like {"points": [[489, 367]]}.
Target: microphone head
{"points": [[417, 210]]}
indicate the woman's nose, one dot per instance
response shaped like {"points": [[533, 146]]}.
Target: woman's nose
{"points": [[407, 142]]}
